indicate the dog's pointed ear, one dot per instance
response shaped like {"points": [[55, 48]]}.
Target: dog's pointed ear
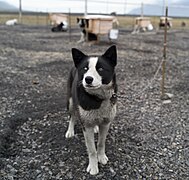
{"points": [[78, 56], [111, 55]]}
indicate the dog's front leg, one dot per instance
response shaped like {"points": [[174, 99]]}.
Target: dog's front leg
{"points": [[103, 131], [70, 131], [89, 140], [82, 39]]}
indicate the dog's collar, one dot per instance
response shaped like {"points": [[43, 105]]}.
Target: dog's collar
{"points": [[113, 98], [98, 98]]}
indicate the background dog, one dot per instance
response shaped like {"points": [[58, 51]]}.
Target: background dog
{"points": [[63, 26], [85, 36], [92, 100]]}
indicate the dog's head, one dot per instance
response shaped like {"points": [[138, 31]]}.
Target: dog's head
{"points": [[83, 23], [95, 71]]}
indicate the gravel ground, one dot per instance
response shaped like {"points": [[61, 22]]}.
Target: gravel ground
{"points": [[149, 138]]}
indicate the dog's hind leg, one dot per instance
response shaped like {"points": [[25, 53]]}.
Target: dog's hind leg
{"points": [[103, 131], [93, 161]]}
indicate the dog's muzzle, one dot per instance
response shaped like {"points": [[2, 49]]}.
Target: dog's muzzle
{"points": [[89, 80]]}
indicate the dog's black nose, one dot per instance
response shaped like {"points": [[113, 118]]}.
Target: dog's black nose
{"points": [[89, 79]]}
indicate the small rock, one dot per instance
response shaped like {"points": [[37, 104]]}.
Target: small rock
{"points": [[26, 150], [112, 171], [166, 101], [169, 95], [10, 177], [69, 175]]}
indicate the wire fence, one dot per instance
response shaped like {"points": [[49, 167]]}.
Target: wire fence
{"points": [[126, 13]]}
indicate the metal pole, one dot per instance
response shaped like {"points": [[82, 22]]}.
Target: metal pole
{"points": [[85, 7], [142, 13], [125, 6], [107, 6], [69, 25], [20, 11], [164, 56]]}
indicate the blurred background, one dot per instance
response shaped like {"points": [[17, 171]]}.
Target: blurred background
{"points": [[36, 12]]}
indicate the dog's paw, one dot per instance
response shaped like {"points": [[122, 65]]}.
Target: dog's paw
{"points": [[92, 169], [69, 133], [102, 158], [96, 129], [80, 41]]}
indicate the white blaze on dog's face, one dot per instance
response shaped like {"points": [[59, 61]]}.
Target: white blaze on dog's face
{"points": [[92, 78]]}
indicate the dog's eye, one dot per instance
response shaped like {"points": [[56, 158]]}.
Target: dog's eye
{"points": [[100, 69], [85, 68]]}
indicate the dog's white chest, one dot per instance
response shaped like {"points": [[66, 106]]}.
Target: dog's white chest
{"points": [[104, 114]]}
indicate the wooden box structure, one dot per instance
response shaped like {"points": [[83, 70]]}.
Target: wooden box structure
{"points": [[162, 22], [57, 18], [99, 24], [142, 22]]}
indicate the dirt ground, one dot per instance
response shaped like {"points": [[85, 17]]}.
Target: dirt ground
{"points": [[149, 138]]}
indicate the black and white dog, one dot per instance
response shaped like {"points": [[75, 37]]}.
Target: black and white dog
{"points": [[85, 36], [92, 100], [63, 26]]}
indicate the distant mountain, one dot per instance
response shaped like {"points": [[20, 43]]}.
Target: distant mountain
{"points": [[174, 10], [4, 6]]}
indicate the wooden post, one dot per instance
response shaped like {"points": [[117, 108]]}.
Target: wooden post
{"points": [[37, 17], [47, 18], [164, 56], [87, 33]]}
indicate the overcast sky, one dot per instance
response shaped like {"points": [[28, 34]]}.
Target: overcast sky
{"points": [[94, 6]]}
